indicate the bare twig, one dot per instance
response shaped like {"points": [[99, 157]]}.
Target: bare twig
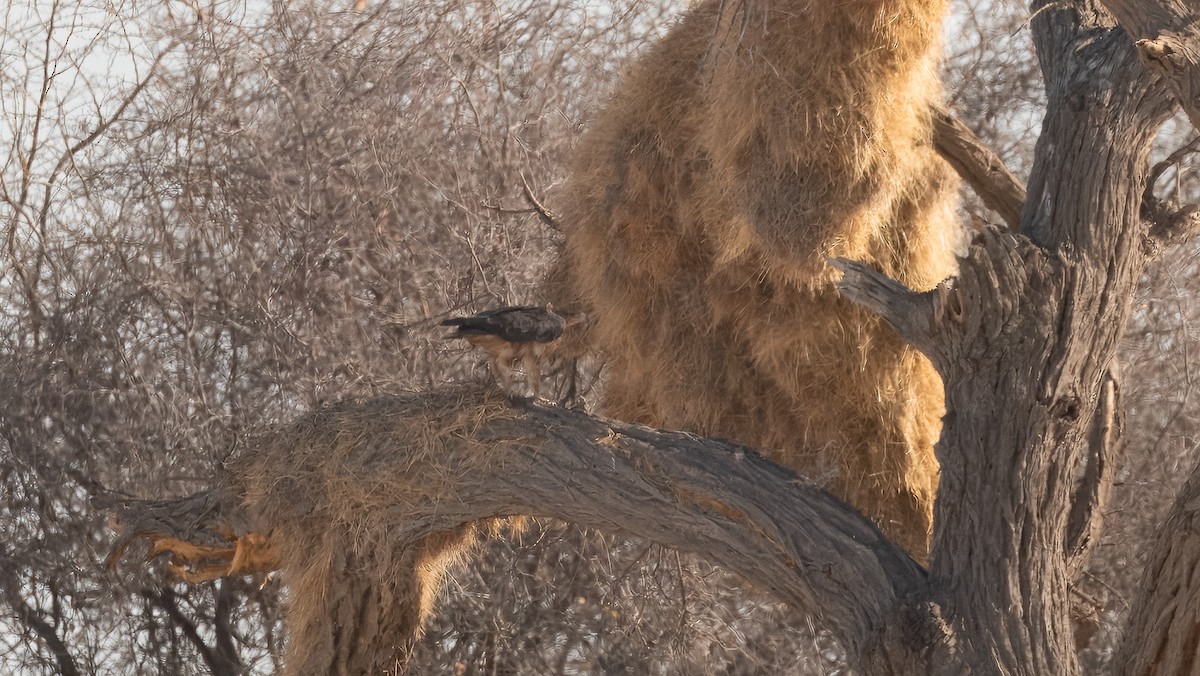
{"points": [[548, 217]]}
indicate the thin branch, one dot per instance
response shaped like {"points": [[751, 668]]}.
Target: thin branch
{"points": [[535, 207], [44, 630], [104, 125], [1169, 223], [226, 649], [1171, 160], [31, 618], [215, 661]]}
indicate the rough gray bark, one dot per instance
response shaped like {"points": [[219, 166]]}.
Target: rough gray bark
{"points": [[996, 186], [1168, 40]]}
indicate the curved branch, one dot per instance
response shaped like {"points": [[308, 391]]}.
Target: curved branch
{"points": [[401, 472], [996, 186]]}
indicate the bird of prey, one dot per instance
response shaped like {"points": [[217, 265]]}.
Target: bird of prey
{"points": [[508, 334]]}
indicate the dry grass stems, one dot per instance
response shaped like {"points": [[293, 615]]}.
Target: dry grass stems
{"points": [[755, 141]]}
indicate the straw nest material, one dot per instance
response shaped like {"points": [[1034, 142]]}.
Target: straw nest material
{"points": [[754, 142]]}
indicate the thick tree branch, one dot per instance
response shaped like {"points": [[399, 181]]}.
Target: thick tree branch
{"points": [[408, 468], [996, 186], [999, 270], [908, 312], [1167, 35]]}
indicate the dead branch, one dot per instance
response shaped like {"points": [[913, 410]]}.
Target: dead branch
{"points": [[548, 217], [1106, 447]]}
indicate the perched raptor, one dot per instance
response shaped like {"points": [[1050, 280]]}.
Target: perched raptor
{"points": [[527, 333]]}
